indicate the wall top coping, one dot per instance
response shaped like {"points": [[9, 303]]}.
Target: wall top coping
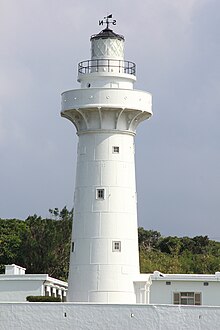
{"points": [[185, 277], [33, 277]]}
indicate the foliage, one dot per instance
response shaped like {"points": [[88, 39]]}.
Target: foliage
{"points": [[43, 299], [11, 232], [148, 239], [48, 243], [178, 254], [39, 245]]}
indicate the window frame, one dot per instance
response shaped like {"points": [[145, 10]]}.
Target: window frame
{"points": [[100, 193], [115, 149], [116, 246], [186, 297]]}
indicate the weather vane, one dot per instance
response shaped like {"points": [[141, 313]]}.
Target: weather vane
{"points": [[107, 22]]}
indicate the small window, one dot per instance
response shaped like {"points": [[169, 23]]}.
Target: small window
{"points": [[100, 193], [115, 150], [73, 247], [168, 283], [206, 283], [116, 246]]}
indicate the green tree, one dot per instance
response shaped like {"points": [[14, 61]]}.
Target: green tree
{"points": [[171, 245], [201, 244], [156, 260], [148, 239], [11, 232], [46, 244]]}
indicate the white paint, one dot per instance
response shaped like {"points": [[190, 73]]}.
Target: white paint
{"points": [[111, 48], [15, 286], [65, 316], [161, 293], [14, 270], [106, 98], [106, 111]]}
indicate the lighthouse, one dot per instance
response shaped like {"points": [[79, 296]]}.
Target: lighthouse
{"points": [[106, 110]]}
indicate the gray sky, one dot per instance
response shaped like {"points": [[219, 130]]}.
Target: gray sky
{"points": [[176, 47]]}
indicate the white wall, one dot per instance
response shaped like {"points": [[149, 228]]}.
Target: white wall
{"points": [[65, 316], [18, 290], [160, 293]]}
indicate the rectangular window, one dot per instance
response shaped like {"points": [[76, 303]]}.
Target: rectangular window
{"points": [[100, 193], [73, 247], [115, 150], [116, 246], [187, 298]]}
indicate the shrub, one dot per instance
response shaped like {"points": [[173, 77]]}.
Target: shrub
{"points": [[43, 299]]}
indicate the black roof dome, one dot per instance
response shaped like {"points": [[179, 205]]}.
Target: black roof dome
{"points": [[107, 33]]}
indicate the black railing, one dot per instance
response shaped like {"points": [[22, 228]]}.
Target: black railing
{"points": [[107, 65]]}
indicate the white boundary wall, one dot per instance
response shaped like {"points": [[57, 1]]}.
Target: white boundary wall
{"points": [[63, 316]]}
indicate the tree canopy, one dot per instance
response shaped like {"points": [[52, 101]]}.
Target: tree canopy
{"points": [[174, 254], [39, 245]]}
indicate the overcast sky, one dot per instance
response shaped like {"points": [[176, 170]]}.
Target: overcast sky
{"points": [[176, 47]]}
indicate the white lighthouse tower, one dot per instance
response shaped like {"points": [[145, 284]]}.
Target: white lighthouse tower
{"points": [[106, 110]]}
